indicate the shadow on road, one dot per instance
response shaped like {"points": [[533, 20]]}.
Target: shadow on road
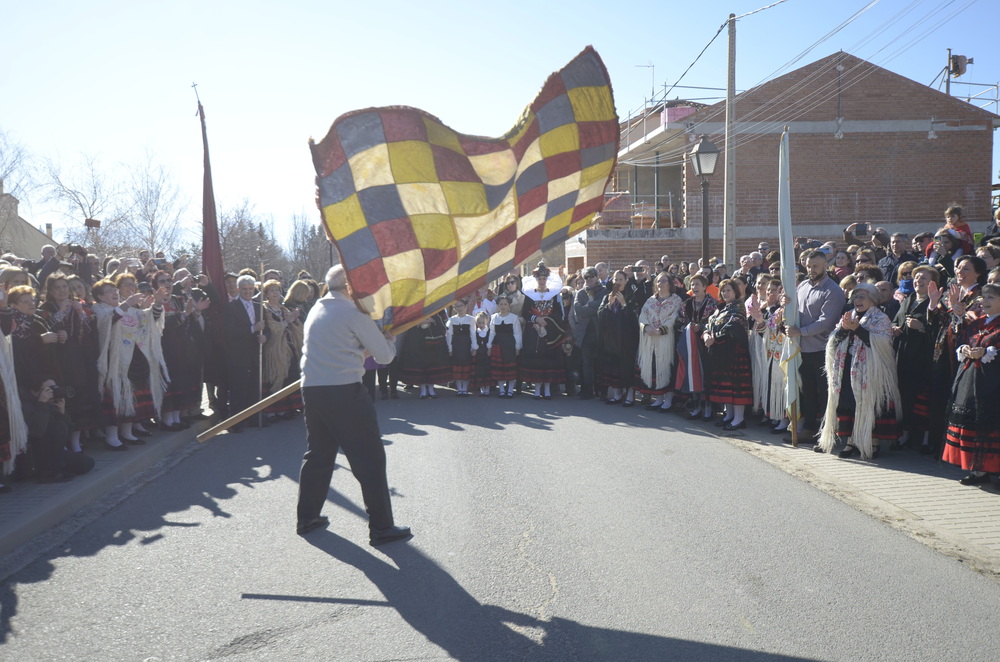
{"points": [[436, 606]]}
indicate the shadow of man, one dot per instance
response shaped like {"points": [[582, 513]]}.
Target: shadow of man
{"points": [[437, 606]]}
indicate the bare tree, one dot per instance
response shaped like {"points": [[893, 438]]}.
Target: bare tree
{"points": [[90, 191], [310, 248], [154, 207], [248, 240], [16, 166]]}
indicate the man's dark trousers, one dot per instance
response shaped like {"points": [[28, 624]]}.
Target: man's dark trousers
{"points": [[813, 388], [343, 417]]}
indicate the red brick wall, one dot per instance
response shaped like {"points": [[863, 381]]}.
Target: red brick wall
{"points": [[900, 180]]}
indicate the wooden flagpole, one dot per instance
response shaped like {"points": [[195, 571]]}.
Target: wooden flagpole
{"points": [[248, 412]]}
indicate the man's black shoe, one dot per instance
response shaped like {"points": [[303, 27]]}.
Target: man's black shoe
{"points": [[378, 537], [320, 522]]}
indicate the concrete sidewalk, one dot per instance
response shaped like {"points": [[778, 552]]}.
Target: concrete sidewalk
{"points": [[30, 509], [916, 494]]}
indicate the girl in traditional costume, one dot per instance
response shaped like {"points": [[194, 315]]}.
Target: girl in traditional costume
{"points": [[542, 360], [691, 347], [730, 380], [973, 439], [481, 377], [461, 347], [504, 344], [861, 379], [756, 306], [130, 369], [770, 323], [657, 344]]}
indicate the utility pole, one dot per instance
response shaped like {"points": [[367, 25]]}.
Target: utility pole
{"points": [[947, 75], [729, 187]]}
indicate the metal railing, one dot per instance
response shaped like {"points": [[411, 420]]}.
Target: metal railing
{"points": [[623, 210]]}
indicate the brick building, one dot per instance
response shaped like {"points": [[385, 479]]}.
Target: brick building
{"points": [[867, 145]]}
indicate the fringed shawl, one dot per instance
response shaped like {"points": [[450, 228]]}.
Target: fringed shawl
{"points": [[136, 329], [15, 417], [873, 379], [658, 315]]}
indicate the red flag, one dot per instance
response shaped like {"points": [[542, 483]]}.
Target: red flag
{"points": [[211, 250]]}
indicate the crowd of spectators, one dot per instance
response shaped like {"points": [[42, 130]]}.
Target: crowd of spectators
{"points": [[102, 353], [897, 339]]}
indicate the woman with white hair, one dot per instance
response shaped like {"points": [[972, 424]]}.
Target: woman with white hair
{"points": [[861, 379]]}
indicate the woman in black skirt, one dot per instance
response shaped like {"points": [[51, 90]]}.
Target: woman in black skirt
{"points": [[617, 343], [543, 362], [730, 381], [75, 365], [424, 359]]}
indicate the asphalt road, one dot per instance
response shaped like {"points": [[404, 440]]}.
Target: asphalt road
{"points": [[561, 530]]}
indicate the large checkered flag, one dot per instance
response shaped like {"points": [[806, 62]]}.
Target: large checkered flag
{"points": [[422, 214]]}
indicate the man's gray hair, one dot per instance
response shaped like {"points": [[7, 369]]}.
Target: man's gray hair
{"points": [[590, 272], [336, 278], [246, 278]]}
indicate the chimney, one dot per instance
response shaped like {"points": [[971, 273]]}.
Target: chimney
{"points": [[48, 229]]}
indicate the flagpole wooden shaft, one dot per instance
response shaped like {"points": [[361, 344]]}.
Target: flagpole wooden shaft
{"points": [[249, 411], [795, 424]]}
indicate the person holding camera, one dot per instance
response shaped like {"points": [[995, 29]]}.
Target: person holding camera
{"points": [[639, 286], [44, 405], [855, 235]]}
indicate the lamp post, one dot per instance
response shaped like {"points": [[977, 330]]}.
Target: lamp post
{"points": [[704, 157]]}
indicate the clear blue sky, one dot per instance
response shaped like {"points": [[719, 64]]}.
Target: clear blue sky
{"points": [[113, 78]]}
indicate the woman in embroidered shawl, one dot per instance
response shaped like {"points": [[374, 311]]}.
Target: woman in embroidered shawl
{"points": [[75, 364], [691, 347], [617, 343], [131, 372], [973, 440], [861, 379], [730, 377], [658, 344], [962, 303], [282, 351], [543, 362]]}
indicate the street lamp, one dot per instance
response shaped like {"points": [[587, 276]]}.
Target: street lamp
{"points": [[704, 156]]}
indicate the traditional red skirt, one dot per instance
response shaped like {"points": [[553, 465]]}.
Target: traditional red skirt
{"points": [[144, 409], [500, 370], [964, 449]]}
